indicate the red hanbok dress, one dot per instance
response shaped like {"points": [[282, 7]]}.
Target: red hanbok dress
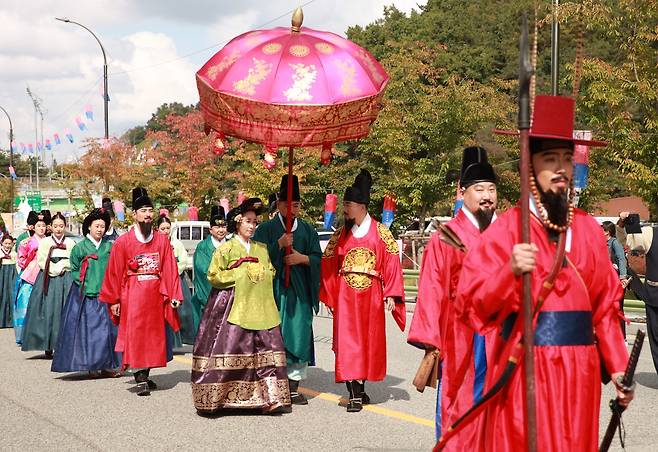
{"points": [[582, 305], [357, 274], [143, 277]]}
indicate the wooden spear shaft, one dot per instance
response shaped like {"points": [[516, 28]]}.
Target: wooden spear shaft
{"points": [[289, 209], [525, 74]]}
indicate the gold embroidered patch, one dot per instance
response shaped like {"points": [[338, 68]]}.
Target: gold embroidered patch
{"points": [[324, 48], [329, 250], [303, 78], [240, 394], [224, 64], [256, 74], [255, 272], [238, 362], [347, 73], [299, 50], [271, 48], [361, 258], [387, 238]]}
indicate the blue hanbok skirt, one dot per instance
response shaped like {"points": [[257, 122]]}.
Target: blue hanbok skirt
{"points": [[86, 336]]}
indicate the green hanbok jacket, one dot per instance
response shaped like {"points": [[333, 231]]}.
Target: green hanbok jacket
{"points": [[95, 267]]}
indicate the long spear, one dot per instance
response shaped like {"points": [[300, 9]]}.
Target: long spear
{"points": [[525, 75]]}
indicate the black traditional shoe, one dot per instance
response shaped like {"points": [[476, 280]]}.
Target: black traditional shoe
{"points": [[355, 403], [364, 397], [295, 397], [49, 354], [143, 389], [151, 384]]}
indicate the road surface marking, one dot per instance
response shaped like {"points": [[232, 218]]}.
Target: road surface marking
{"points": [[338, 399]]}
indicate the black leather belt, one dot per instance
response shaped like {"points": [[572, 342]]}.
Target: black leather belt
{"points": [[558, 328]]}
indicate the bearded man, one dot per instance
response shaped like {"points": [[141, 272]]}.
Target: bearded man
{"points": [[434, 327], [581, 300], [142, 287]]}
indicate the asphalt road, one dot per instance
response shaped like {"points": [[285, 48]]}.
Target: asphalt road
{"points": [[40, 410]]}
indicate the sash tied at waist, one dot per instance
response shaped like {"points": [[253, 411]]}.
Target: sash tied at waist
{"points": [[561, 328]]}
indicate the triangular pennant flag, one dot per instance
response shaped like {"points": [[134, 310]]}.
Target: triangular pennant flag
{"points": [[48, 145], [69, 135], [89, 113], [56, 137]]}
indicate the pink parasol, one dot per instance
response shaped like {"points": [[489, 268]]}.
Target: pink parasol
{"points": [[291, 87]]}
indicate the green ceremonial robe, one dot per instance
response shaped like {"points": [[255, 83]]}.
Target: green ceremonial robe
{"points": [[297, 302], [95, 267], [202, 257]]}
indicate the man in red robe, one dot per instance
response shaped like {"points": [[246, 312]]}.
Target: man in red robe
{"points": [[434, 326], [142, 287], [361, 277], [577, 324]]}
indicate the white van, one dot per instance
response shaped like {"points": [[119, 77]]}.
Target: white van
{"points": [[190, 233]]}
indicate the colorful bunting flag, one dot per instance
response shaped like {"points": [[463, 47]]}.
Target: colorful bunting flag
{"points": [[39, 147], [56, 137], [48, 145], [22, 148], [89, 113], [13, 146], [81, 125], [69, 135], [12, 172], [388, 214], [330, 203], [30, 148]]}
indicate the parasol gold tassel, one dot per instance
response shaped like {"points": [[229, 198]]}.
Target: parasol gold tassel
{"points": [[297, 19]]}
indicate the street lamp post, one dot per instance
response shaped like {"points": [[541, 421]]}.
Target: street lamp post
{"points": [[105, 96], [11, 164]]}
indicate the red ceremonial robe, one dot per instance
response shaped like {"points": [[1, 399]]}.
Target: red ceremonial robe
{"points": [[143, 277], [568, 378], [434, 324], [357, 274]]}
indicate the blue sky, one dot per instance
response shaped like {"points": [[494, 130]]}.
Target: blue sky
{"points": [[145, 41]]}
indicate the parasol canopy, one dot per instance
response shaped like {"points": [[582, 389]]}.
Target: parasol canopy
{"points": [[293, 86]]}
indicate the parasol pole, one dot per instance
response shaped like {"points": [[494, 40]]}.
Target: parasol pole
{"points": [[289, 210], [525, 75]]}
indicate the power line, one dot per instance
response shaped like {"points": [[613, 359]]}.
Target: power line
{"points": [[206, 48]]}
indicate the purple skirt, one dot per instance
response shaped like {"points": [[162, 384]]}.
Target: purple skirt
{"points": [[233, 367]]}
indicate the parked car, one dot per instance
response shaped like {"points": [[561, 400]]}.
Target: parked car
{"points": [[190, 233]]}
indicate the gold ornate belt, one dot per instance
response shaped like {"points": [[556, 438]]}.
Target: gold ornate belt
{"points": [[361, 270]]}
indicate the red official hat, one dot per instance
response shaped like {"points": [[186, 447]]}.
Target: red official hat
{"points": [[552, 119]]}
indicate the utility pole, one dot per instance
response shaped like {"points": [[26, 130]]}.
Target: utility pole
{"points": [[37, 110], [106, 97], [11, 164]]}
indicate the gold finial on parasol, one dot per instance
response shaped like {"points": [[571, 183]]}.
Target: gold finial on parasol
{"points": [[297, 19]]}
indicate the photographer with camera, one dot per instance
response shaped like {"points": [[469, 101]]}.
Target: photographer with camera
{"points": [[641, 238]]}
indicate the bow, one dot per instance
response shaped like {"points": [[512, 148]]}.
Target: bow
{"points": [[84, 266]]}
